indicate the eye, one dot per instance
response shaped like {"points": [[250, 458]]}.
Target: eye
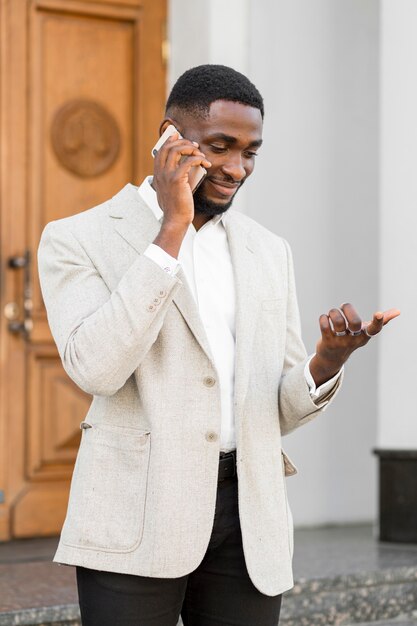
{"points": [[250, 155], [218, 149]]}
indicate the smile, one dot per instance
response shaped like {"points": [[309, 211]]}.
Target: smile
{"points": [[224, 188]]}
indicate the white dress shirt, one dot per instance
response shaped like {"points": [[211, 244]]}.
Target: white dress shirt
{"points": [[205, 260]]}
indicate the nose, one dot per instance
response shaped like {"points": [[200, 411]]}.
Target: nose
{"points": [[234, 168]]}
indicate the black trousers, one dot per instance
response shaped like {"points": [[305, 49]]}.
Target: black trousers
{"points": [[218, 593]]}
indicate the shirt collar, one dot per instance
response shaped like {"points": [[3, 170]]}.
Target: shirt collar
{"points": [[148, 195]]}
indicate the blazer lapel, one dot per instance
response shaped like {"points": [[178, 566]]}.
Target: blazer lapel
{"points": [[136, 223], [187, 306], [133, 219], [245, 267]]}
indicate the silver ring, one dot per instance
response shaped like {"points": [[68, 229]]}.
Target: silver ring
{"points": [[337, 333], [365, 330], [355, 333]]}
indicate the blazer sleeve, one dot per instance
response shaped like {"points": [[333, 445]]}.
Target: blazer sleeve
{"points": [[101, 335], [296, 407]]}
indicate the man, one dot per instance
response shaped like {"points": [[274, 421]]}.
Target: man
{"points": [[180, 317]]}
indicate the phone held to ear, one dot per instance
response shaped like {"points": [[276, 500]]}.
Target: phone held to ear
{"points": [[196, 174]]}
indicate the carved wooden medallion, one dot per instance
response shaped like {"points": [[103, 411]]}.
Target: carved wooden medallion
{"points": [[85, 138]]}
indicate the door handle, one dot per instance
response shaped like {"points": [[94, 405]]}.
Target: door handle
{"points": [[20, 316]]}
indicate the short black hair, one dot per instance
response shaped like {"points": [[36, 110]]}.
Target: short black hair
{"points": [[200, 86]]}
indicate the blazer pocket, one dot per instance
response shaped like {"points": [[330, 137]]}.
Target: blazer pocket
{"points": [[108, 491], [289, 467]]}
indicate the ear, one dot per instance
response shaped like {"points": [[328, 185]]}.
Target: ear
{"points": [[165, 123]]}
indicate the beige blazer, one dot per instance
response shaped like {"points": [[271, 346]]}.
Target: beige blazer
{"points": [[144, 486]]}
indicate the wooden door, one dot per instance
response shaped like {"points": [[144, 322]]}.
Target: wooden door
{"points": [[82, 89]]}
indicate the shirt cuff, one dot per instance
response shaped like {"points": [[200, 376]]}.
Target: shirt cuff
{"points": [[165, 261], [318, 392]]}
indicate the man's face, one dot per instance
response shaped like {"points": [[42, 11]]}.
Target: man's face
{"points": [[230, 138]]}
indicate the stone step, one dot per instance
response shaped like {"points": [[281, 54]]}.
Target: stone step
{"points": [[351, 599], [358, 599], [343, 578], [65, 615], [402, 620], [37, 593]]}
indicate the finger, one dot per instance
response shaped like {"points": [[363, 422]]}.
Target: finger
{"points": [[337, 320], [173, 142], [190, 162], [380, 319], [391, 314], [176, 156], [354, 322], [325, 327], [375, 325]]}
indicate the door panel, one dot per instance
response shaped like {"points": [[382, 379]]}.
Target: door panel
{"points": [[56, 406], [82, 90]]}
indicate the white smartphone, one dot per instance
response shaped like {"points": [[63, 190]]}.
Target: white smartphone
{"points": [[197, 173]]}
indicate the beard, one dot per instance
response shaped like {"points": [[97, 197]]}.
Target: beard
{"points": [[204, 206]]}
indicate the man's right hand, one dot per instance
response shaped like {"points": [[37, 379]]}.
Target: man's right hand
{"points": [[173, 190]]}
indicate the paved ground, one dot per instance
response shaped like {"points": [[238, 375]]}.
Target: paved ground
{"points": [[29, 579], [36, 584], [339, 550]]}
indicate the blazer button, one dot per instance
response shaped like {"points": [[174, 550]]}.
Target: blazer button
{"points": [[156, 300], [209, 381], [211, 435], [162, 293], [151, 307]]}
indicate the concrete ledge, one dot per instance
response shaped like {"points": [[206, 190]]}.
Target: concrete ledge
{"points": [[351, 599], [65, 615], [360, 599], [343, 578], [402, 620]]}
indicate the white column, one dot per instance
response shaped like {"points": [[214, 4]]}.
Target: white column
{"points": [[202, 31], [209, 31], [189, 36], [229, 33], [398, 223], [316, 63]]}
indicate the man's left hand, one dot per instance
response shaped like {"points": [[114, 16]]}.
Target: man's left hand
{"points": [[343, 332]]}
